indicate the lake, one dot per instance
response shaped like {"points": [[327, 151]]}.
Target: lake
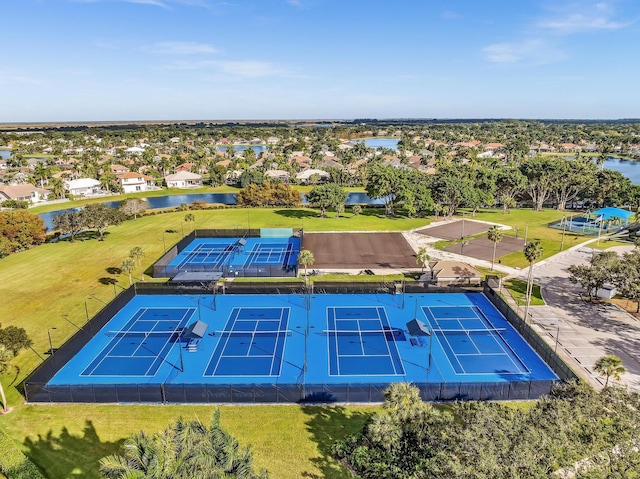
{"points": [[257, 148], [390, 143], [171, 201]]}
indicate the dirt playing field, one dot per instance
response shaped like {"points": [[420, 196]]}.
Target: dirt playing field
{"points": [[359, 250], [456, 230], [482, 248]]}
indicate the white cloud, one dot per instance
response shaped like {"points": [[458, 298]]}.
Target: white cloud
{"points": [[18, 80], [583, 18], [157, 3], [182, 48], [535, 52]]}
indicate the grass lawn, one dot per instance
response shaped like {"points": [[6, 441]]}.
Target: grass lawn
{"points": [[517, 289], [290, 441], [51, 285], [604, 245]]}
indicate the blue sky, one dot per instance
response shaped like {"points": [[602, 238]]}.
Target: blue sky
{"points": [[98, 60]]}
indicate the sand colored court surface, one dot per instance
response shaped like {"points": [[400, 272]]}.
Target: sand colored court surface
{"points": [[359, 250]]}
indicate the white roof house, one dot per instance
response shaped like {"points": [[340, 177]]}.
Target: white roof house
{"points": [[134, 150], [304, 175], [278, 174], [183, 179], [82, 186]]}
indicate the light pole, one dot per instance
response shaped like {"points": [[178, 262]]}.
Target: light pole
{"points": [[164, 243], [564, 227], [50, 342], [526, 230]]}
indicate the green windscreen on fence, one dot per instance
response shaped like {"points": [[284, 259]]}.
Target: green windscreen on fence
{"points": [[276, 232]]}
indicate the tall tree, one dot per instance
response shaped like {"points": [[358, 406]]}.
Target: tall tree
{"points": [[69, 224], [5, 363], [21, 230], [495, 236], [532, 252], [134, 207], [540, 179], [190, 217], [610, 366], [99, 217], [422, 257], [601, 270], [128, 266], [329, 195], [136, 254], [306, 259]]}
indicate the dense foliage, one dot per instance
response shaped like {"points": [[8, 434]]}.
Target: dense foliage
{"points": [[268, 194], [13, 462], [598, 432], [19, 230], [184, 450]]}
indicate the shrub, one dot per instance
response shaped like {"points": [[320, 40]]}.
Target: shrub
{"points": [[13, 462]]}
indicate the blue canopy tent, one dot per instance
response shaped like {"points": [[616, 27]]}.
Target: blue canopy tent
{"points": [[611, 218]]}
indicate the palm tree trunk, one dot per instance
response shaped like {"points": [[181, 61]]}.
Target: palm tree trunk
{"points": [[5, 407], [528, 292], [493, 259]]}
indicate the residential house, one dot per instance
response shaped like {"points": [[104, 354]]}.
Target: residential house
{"points": [[83, 187], [119, 169], [23, 192], [183, 179], [305, 175], [132, 182], [281, 175]]}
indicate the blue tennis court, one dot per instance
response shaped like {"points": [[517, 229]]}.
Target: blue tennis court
{"points": [[277, 347], [142, 345], [360, 341], [471, 343], [254, 256], [251, 343]]}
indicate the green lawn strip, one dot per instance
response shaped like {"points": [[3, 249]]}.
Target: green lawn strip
{"points": [[290, 441], [517, 289], [605, 244]]}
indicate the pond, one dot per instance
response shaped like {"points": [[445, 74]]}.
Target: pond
{"points": [[171, 201]]}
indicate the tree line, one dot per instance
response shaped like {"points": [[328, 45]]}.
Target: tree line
{"points": [[574, 430]]}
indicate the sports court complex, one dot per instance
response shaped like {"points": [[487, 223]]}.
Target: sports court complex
{"points": [[294, 347], [201, 339]]}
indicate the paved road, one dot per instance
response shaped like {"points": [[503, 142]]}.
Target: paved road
{"points": [[584, 331]]}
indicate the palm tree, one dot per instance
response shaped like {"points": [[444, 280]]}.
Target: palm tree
{"points": [[610, 366], [190, 217], [533, 252], [128, 266], [185, 449], [385, 430], [5, 362], [137, 253], [306, 258], [495, 236], [422, 257]]}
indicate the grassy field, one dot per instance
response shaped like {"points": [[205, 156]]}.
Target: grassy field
{"points": [[517, 289]]}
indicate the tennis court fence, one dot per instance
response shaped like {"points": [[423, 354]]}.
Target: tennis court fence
{"points": [[280, 393], [540, 346]]}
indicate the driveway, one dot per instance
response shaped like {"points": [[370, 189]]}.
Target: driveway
{"points": [[583, 331]]}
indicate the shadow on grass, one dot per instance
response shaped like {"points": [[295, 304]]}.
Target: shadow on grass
{"points": [[326, 425], [67, 455], [297, 213]]}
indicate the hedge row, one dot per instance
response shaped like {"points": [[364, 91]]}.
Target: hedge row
{"points": [[14, 464]]}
